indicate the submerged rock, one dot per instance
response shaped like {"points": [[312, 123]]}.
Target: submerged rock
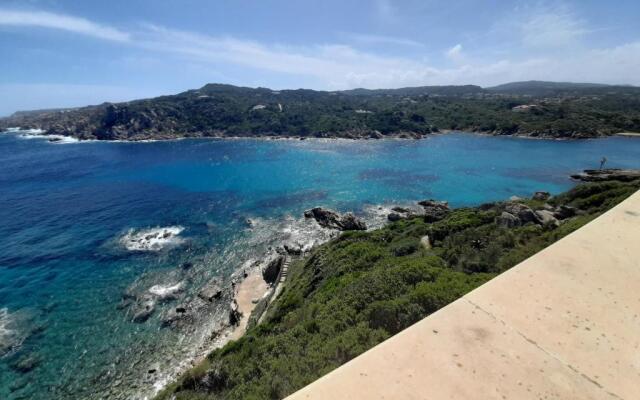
{"points": [[26, 363], [145, 307], [333, 220], [211, 291]]}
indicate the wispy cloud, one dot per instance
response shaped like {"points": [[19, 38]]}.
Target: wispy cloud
{"points": [[455, 52], [340, 66], [365, 39], [61, 22], [553, 26]]}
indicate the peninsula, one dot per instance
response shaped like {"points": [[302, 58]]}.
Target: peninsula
{"points": [[534, 109]]}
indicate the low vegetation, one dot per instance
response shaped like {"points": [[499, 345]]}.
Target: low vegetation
{"points": [[359, 289]]}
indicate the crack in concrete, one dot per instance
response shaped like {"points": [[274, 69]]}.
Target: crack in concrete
{"points": [[545, 351]]}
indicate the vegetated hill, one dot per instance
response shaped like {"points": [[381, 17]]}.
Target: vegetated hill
{"points": [[544, 88], [363, 287], [217, 110]]}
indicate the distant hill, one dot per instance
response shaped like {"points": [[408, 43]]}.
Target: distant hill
{"points": [[543, 88], [534, 108]]}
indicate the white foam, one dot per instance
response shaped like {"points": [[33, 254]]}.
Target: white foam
{"points": [[164, 291], [10, 337], [58, 139], [153, 239]]}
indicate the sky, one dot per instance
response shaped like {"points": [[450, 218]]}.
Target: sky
{"points": [[64, 53]]}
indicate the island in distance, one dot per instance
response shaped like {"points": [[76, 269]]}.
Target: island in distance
{"points": [[532, 108]]}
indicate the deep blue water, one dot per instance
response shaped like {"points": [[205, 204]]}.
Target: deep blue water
{"points": [[64, 208]]}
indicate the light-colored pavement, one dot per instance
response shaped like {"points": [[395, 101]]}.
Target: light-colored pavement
{"points": [[564, 324]]}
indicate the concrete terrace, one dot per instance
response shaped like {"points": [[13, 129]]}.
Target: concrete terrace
{"points": [[564, 324]]}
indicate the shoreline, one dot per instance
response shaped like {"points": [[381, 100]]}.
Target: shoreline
{"points": [[252, 286], [69, 139]]}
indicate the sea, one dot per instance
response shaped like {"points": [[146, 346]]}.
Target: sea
{"points": [[87, 226]]}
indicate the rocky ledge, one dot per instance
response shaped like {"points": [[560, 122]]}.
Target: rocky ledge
{"points": [[332, 220], [611, 174]]}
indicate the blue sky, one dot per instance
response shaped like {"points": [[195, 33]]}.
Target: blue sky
{"points": [[61, 53]]}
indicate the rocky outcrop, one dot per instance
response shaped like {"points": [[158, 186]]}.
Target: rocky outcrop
{"points": [[434, 210], [333, 220], [564, 212], [541, 196], [211, 291], [234, 313], [523, 212], [547, 218], [598, 175], [144, 308], [271, 270], [508, 220]]}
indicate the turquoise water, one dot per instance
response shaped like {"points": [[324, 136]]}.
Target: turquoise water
{"points": [[64, 209]]}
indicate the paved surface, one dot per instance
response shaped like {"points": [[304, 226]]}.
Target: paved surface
{"points": [[564, 324]]}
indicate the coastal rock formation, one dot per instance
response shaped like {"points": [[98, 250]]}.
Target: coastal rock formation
{"points": [[211, 291], [333, 220], [547, 217], [144, 308], [564, 212], [612, 174], [272, 268], [542, 196], [507, 220], [434, 210], [523, 212], [234, 313]]}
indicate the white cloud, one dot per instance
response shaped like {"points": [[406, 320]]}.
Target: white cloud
{"points": [[62, 22], [381, 39], [454, 53], [339, 66], [334, 66]]}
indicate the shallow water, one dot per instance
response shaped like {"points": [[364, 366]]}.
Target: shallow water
{"points": [[69, 211]]}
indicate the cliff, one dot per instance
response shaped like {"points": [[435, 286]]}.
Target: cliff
{"points": [[365, 286]]}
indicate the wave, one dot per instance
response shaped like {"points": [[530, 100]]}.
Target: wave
{"points": [[11, 336], [166, 291], [154, 239], [57, 139]]}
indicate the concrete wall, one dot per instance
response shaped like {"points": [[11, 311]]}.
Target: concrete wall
{"points": [[564, 324]]}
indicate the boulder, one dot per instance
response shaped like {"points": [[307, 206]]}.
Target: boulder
{"points": [[434, 210], [547, 218], [333, 220], [175, 315], [508, 220], [293, 248], [394, 216], [211, 291], [26, 363], [524, 213], [542, 196], [144, 309], [234, 314], [564, 212], [425, 242]]}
